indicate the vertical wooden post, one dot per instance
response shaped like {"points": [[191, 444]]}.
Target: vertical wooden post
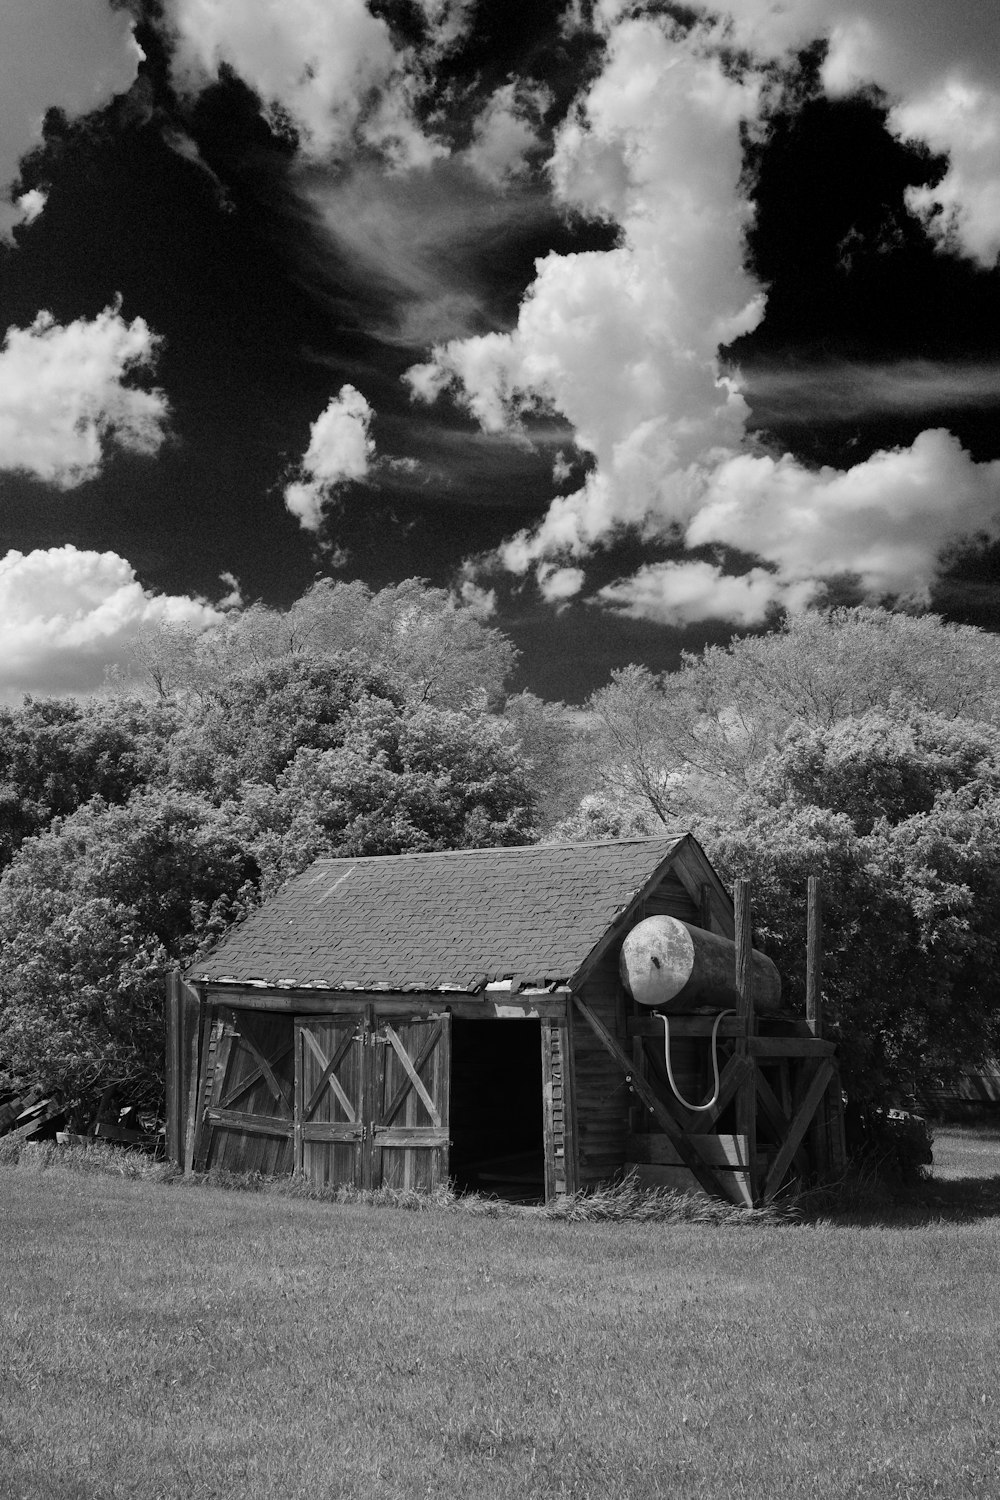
{"points": [[814, 956], [746, 1098], [175, 1092]]}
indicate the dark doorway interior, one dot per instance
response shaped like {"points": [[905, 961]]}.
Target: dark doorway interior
{"points": [[496, 1109]]}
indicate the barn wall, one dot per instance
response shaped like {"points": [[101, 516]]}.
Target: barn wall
{"points": [[603, 1099]]}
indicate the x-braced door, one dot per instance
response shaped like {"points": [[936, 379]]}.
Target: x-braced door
{"points": [[248, 1120], [409, 1101], [330, 1068]]}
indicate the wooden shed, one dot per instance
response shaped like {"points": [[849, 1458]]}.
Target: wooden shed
{"points": [[410, 1019]]}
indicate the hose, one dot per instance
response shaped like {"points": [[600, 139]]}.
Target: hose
{"points": [[695, 1108]]}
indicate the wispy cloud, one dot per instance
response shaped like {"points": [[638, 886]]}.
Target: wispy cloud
{"points": [[845, 391]]}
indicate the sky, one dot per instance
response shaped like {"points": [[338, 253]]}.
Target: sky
{"points": [[630, 325]]}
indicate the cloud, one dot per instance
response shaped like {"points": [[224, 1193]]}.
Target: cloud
{"points": [[940, 67], [505, 134], [683, 593], [64, 399], [327, 68], [479, 601], [339, 451], [885, 521], [75, 56], [624, 344], [844, 391], [66, 615], [557, 585]]}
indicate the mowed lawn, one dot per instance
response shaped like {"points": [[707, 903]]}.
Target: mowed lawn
{"points": [[165, 1340]]}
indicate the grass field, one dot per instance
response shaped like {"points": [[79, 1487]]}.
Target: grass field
{"points": [[168, 1340]]}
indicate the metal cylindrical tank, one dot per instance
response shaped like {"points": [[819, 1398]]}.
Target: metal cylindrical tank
{"points": [[668, 964]]}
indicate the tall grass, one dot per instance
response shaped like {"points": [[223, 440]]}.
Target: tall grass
{"points": [[162, 1340]]}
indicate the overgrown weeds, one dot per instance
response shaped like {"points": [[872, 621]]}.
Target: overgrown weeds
{"points": [[866, 1195], [623, 1202]]}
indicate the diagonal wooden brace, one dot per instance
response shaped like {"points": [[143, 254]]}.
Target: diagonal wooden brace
{"points": [[800, 1124], [688, 1153]]}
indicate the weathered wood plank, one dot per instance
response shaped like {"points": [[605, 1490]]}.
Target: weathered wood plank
{"points": [[714, 1150], [233, 1119], [688, 1153], [814, 955]]}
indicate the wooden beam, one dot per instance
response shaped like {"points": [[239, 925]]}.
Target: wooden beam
{"points": [[814, 956], [688, 1153], [798, 1128], [770, 1107], [746, 1096]]}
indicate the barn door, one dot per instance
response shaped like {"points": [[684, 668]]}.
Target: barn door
{"points": [[409, 1101], [247, 1125], [330, 1059]]}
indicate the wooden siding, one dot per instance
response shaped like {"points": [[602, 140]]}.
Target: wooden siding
{"points": [[603, 1100]]}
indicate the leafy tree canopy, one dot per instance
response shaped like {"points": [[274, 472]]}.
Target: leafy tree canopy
{"points": [[420, 778], [92, 912], [676, 741], [900, 817], [56, 753], [248, 728], [427, 645]]}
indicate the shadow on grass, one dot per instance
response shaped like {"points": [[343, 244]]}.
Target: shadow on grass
{"points": [[874, 1204]]}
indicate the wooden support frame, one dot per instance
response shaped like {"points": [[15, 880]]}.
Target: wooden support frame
{"points": [[680, 1139]]}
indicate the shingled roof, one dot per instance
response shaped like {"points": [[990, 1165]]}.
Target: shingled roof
{"points": [[440, 921]]}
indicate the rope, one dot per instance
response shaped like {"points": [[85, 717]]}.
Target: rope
{"points": [[695, 1108]]}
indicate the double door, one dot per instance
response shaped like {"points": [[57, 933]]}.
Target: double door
{"points": [[371, 1099], [356, 1099]]}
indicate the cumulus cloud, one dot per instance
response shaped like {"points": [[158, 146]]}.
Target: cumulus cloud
{"points": [[885, 520], [76, 57], [624, 343], [940, 67], [327, 68], [66, 614], [340, 450], [67, 395]]}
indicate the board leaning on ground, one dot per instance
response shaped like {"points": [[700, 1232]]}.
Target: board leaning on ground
{"points": [[403, 1020]]}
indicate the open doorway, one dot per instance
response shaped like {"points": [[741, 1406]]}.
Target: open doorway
{"points": [[497, 1138]]}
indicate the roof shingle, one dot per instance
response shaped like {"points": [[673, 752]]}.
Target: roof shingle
{"points": [[439, 921]]}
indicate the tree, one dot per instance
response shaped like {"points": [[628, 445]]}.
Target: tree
{"points": [[557, 746], [681, 742], [57, 753], [91, 914], [900, 817], [426, 644], [249, 727], [412, 778]]}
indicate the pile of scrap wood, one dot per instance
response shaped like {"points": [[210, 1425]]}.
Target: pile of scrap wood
{"points": [[33, 1116]]}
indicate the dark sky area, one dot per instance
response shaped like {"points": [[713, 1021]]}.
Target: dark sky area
{"points": [[277, 269]]}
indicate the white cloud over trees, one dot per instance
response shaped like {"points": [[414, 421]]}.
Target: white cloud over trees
{"points": [[68, 394], [66, 615]]}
